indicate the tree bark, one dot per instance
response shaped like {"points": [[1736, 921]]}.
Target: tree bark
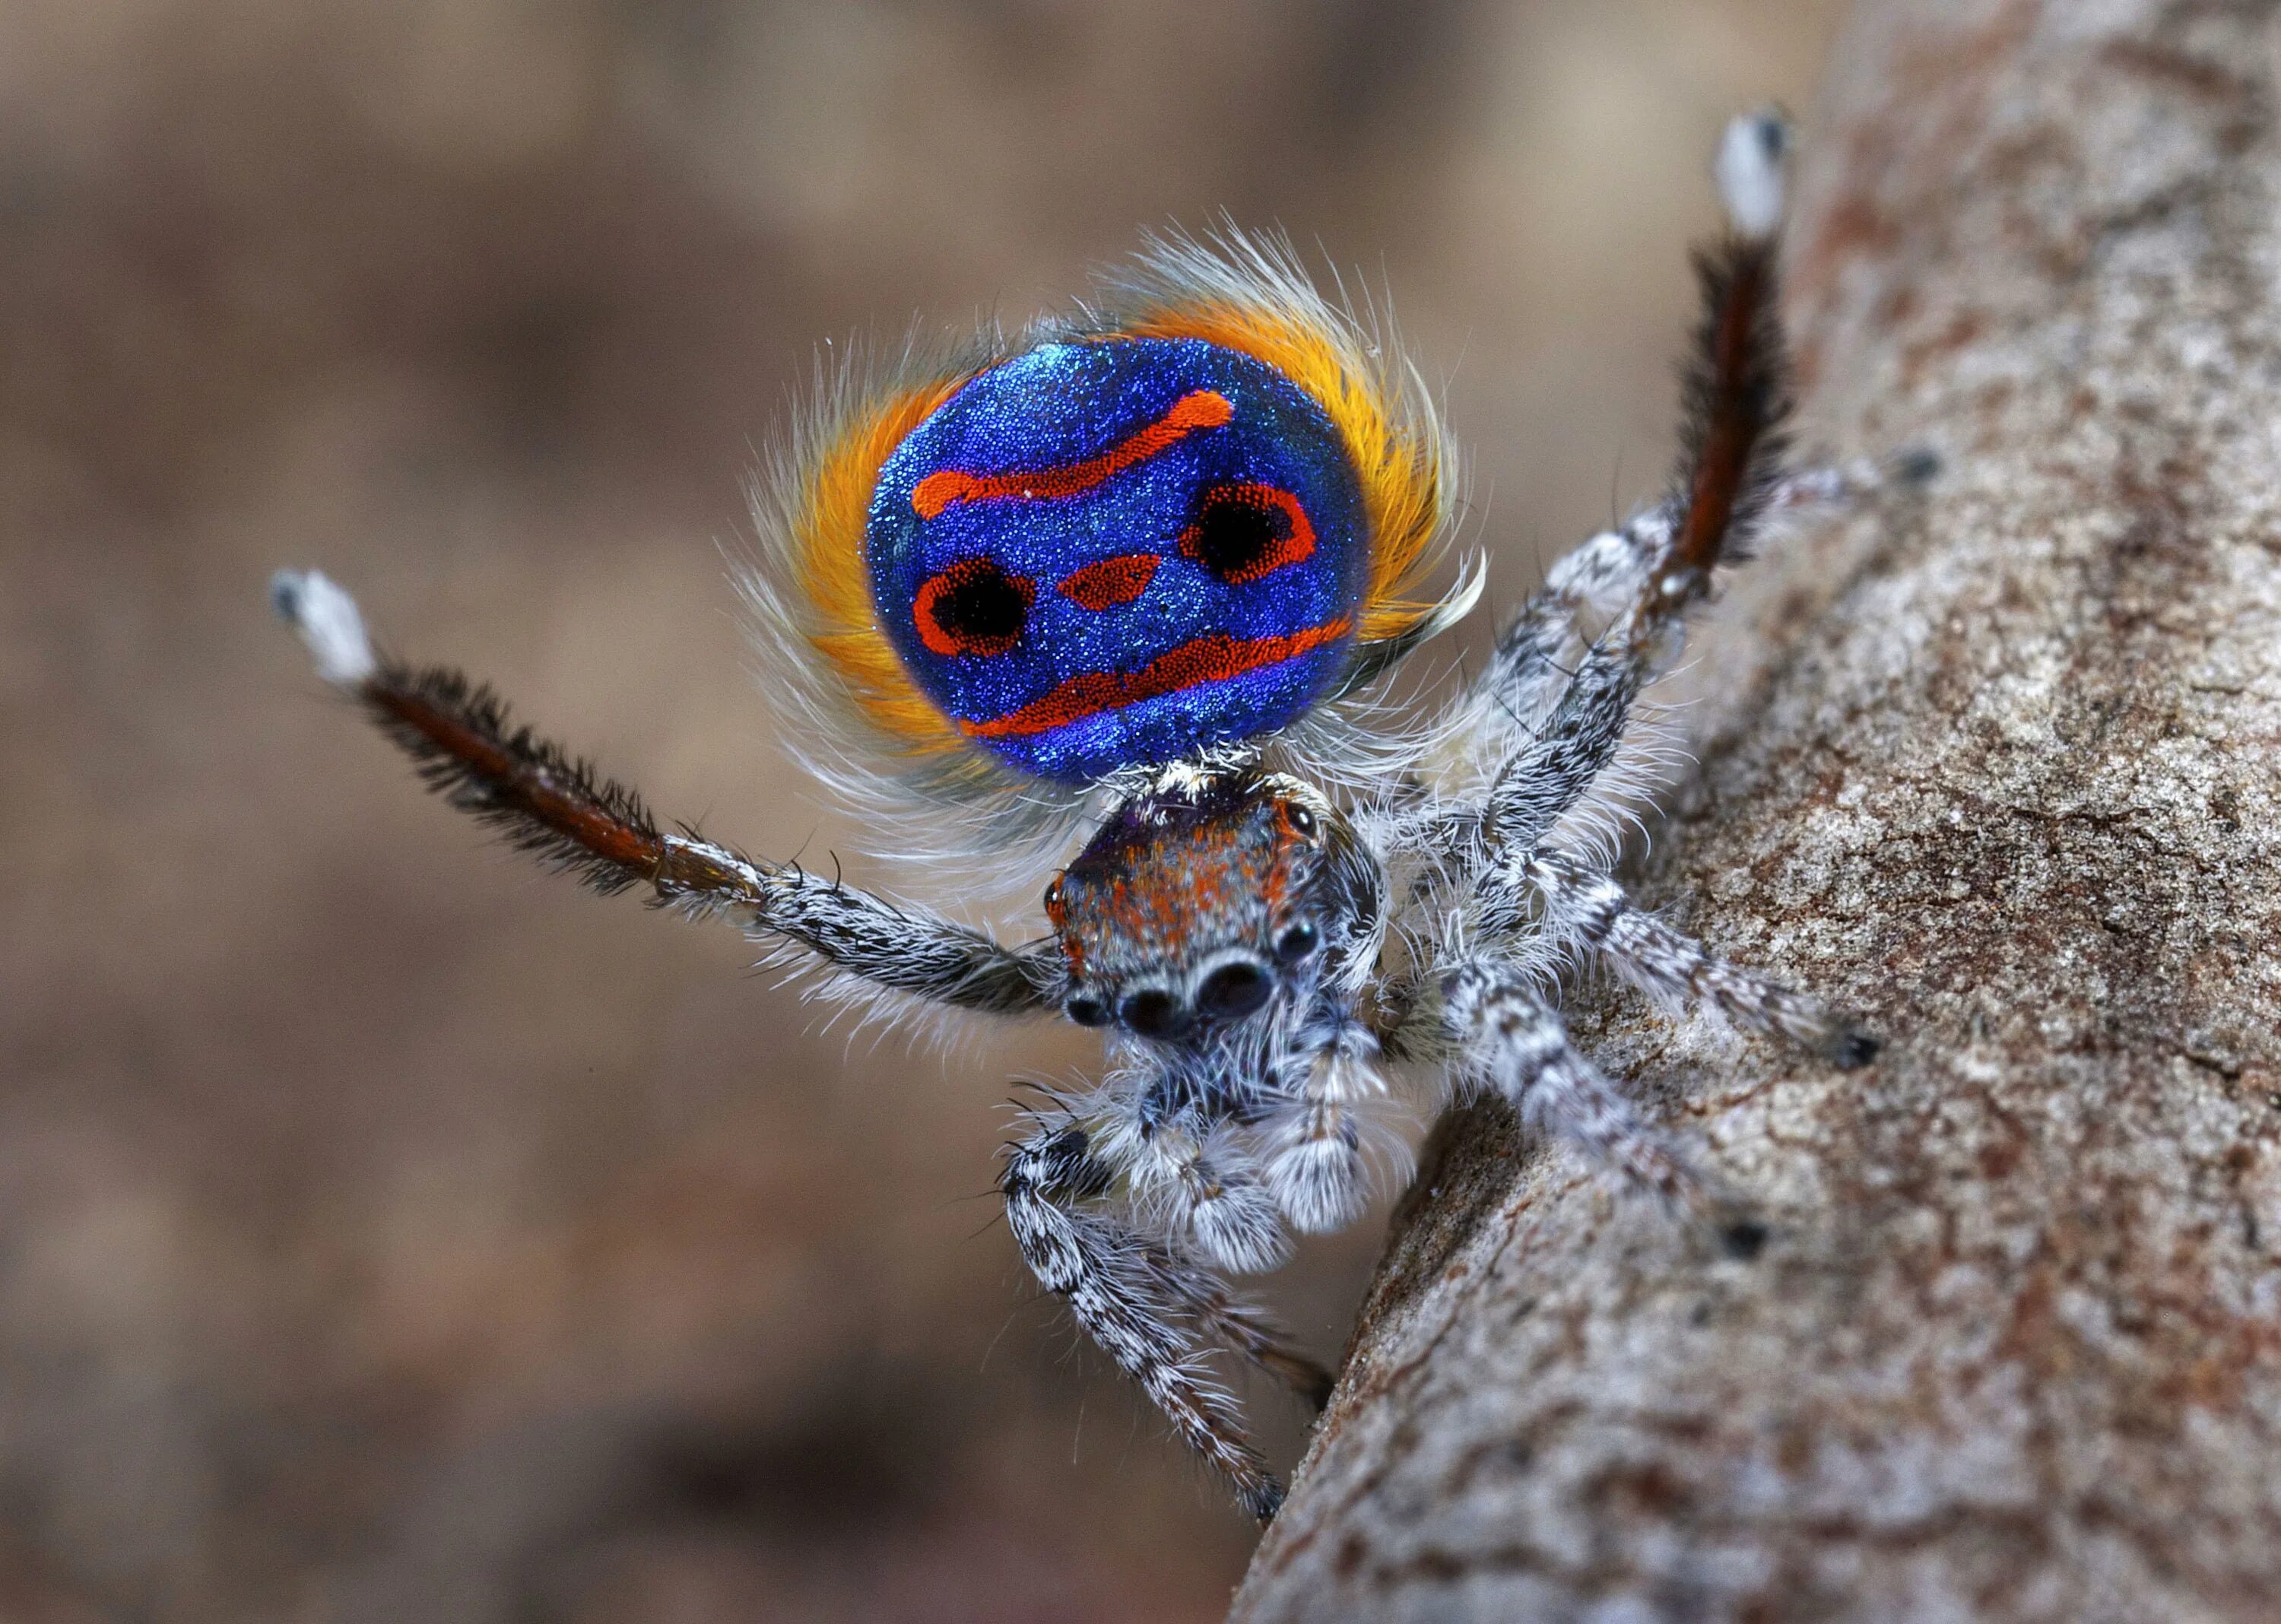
{"points": [[1998, 767]]}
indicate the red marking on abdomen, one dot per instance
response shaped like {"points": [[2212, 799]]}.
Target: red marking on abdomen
{"points": [[1203, 409], [1202, 659], [969, 573], [1111, 582], [1295, 544]]}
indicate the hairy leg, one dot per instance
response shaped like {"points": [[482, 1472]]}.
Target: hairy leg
{"points": [[1550, 723], [1545, 900], [1203, 1188], [554, 805], [1504, 710], [1605, 572], [1507, 1038], [1245, 1330], [1583, 905], [1736, 395], [1132, 1297]]}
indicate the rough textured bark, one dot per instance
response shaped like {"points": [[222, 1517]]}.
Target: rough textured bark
{"points": [[2001, 769]]}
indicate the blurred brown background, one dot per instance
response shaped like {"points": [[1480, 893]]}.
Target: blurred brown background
{"points": [[387, 1230]]}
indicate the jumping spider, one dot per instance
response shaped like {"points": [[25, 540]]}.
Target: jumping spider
{"points": [[1260, 925]]}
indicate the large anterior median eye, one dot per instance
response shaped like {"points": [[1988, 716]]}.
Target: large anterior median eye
{"points": [[972, 607], [1243, 533]]}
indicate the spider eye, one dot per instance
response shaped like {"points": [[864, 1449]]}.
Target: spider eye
{"points": [[972, 607], [1086, 1010], [1053, 894], [1245, 533], [1237, 988], [1299, 939], [1155, 1013], [1302, 821]]}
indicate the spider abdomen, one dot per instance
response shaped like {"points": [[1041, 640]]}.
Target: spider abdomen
{"points": [[1116, 550]]}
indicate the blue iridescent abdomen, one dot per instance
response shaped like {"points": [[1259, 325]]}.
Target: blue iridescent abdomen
{"points": [[1102, 554]]}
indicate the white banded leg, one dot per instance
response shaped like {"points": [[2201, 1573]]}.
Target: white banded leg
{"points": [[1676, 968], [1510, 1039], [1130, 1298]]}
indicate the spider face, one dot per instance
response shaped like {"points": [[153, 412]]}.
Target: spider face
{"points": [[1194, 909], [1119, 549]]}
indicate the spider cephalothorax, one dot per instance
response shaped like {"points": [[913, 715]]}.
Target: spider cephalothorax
{"points": [[1122, 566], [1197, 904]]}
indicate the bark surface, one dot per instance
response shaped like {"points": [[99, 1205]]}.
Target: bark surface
{"points": [[2001, 769]]}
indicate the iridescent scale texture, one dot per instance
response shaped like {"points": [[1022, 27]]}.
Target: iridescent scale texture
{"points": [[1007, 533]]}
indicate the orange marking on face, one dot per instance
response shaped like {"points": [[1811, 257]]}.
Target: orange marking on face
{"points": [[1212, 658], [1058, 916], [1111, 582], [1203, 409]]}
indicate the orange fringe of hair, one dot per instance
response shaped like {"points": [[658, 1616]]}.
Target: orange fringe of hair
{"points": [[1401, 474], [829, 542]]}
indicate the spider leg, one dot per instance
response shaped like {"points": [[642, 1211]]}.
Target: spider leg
{"points": [[1557, 722], [1738, 395], [554, 805], [1508, 1039], [1130, 1298], [1606, 570], [1238, 1325], [1582, 904], [1530, 661], [1594, 580]]}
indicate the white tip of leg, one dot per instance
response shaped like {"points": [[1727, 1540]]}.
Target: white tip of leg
{"points": [[1750, 168], [329, 623]]}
